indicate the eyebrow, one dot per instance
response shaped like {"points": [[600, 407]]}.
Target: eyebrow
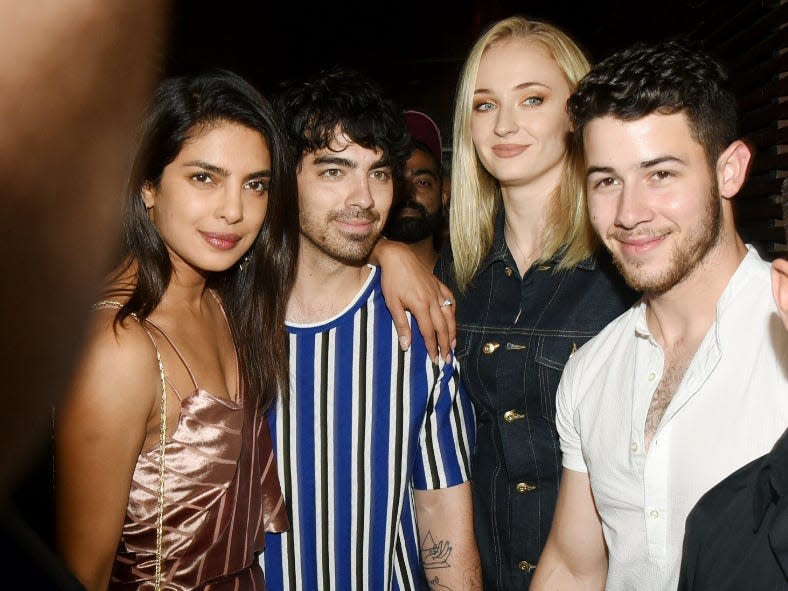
{"points": [[423, 171], [521, 86], [603, 169], [347, 163], [661, 160], [643, 165], [208, 166], [224, 172], [382, 163], [337, 160]]}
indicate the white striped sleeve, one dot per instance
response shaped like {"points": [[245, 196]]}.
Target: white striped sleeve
{"points": [[448, 432]]}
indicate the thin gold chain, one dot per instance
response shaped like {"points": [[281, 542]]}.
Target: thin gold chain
{"points": [[162, 441], [525, 260], [162, 444]]}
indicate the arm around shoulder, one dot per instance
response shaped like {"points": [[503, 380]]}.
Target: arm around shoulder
{"points": [[575, 556], [100, 431], [408, 285]]}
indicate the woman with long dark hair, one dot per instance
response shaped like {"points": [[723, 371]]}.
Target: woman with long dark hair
{"points": [[165, 476]]}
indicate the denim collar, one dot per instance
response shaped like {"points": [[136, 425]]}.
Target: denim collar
{"points": [[499, 252]]}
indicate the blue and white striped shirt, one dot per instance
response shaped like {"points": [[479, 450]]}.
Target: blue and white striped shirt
{"points": [[363, 424]]}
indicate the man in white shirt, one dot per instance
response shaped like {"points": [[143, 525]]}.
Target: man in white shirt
{"points": [[692, 382]]}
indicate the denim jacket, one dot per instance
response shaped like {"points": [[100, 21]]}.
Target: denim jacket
{"points": [[513, 338]]}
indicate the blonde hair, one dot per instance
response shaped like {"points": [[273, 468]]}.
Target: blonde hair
{"points": [[476, 195]]}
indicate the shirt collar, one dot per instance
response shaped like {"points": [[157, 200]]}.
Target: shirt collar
{"points": [[736, 283], [740, 278]]}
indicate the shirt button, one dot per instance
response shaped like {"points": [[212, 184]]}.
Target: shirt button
{"points": [[510, 416], [508, 271], [634, 446], [651, 376], [654, 514], [490, 348], [526, 566], [524, 487]]}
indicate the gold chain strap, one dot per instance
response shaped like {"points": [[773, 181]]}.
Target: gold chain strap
{"points": [[162, 441], [162, 444]]}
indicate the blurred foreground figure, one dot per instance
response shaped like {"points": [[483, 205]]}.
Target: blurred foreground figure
{"points": [[75, 77]]}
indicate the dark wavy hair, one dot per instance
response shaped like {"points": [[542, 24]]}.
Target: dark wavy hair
{"points": [[254, 297], [671, 77], [341, 100]]}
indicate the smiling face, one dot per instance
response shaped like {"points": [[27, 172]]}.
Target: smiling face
{"points": [[211, 200], [652, 198], [344, 195], [519, 121]]}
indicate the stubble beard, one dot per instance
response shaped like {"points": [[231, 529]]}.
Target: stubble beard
{"points": [[686, 257], [346, 248]]}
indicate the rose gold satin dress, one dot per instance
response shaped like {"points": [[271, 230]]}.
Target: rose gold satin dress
{"points": [[221, 495]]}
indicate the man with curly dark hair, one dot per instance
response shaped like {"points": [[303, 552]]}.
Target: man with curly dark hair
{"points": [[372, 442], [689, 384]]}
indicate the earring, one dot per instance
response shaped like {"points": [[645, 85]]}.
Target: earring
{"points": [[244, 263]]}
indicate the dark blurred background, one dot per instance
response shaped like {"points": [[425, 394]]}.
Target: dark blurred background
{"points": [[415, 51]]}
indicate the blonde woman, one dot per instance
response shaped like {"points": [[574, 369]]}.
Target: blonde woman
{"points": [[523, 266]]}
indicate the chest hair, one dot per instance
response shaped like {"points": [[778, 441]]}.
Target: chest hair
{"points": [[676, 364]]}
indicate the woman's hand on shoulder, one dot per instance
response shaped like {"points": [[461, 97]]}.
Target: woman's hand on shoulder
{"points": [[408, 285], [100, 430]]}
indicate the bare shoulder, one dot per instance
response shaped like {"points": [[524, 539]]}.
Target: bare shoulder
{"points": [[126, 344], [118, 370]]}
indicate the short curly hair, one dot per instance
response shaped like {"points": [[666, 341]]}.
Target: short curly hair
{"points": [[675, 76], [342, 100]]}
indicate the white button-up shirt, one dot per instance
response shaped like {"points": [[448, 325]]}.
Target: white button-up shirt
{"points": [[730, 408]]}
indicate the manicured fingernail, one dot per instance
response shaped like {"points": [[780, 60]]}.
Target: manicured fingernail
{"points": [[404, 343], [448, 358]]}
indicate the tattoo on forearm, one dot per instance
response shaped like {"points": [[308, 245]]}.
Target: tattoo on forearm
{"points": [[435, 584], [435, 554]]}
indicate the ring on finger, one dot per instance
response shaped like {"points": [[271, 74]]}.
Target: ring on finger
{"points": [[446, 302]]}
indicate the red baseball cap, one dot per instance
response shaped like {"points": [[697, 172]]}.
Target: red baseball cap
{"points": [[423, 129]]}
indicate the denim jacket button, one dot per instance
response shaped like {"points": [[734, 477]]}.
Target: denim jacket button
{"points": [[508, 271], [510, 416], [524, 487], [526, 566], [490, 348]]}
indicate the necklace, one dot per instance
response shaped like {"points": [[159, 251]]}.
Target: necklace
{"points": [[524, 263]]}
